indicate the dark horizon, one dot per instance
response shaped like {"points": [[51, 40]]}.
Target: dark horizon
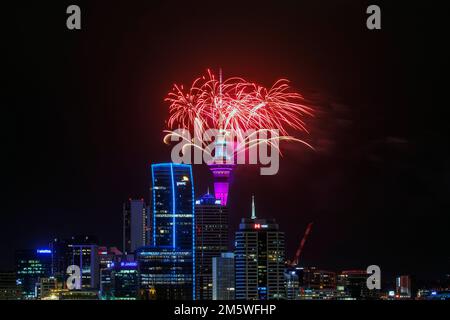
{"points": [[84, 115]]}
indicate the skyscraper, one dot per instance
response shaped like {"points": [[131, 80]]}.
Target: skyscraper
{"points": [[31, 266], [222, 170], [62, 253], [134, 225], [211, 239], [223, 277], [167, 266], [259, 259], [222, 174], [172, 206], [86, 257]]}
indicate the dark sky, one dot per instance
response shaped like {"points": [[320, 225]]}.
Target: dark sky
{"points": [[83, 114]]}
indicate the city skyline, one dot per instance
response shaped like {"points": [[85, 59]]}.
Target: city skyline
{"points": [[93, 250], [232, 229], [85, 117], [180, 238]]}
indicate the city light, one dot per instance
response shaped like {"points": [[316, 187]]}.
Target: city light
{"points": [[44, 251], [128, 264]]}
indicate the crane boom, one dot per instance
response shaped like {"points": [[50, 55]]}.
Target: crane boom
{"points": [[302, 243]]}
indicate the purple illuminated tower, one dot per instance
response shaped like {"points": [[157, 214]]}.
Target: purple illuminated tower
{"points": [[222, 174], [222, 171]]}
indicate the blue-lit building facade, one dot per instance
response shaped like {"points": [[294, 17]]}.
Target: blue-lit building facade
{"points": [[167, 266]]}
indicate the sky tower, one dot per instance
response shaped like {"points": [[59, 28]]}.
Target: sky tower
{"points": [[222, 174], [234, 107], [221, 170]]}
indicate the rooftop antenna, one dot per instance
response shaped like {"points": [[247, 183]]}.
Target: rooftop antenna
{"points": [[253, 207], [220, 86], [207, 191]]}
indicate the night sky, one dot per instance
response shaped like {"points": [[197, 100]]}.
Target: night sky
{"points": [[83, 114]]}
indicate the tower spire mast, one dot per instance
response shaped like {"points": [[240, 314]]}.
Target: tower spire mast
{"points": [[221, 170], [220, 86], [253, 207]]}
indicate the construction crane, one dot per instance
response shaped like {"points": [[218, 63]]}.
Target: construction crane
{"points": [[300, 247]]}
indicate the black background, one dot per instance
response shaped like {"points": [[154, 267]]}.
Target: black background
{"points": [[83, 114]]}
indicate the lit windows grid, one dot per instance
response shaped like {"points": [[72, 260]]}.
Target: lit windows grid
{"points": [[173, 225]]}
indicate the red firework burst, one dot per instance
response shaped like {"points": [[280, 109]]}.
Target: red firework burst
{"points": [[237, 104]]}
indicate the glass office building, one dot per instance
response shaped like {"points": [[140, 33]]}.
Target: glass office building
{"points": [[259, 260], [135, 223], [31, 266], [167, 266], [173, 206], [165, 274], [211, 240], [223, 277]]}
